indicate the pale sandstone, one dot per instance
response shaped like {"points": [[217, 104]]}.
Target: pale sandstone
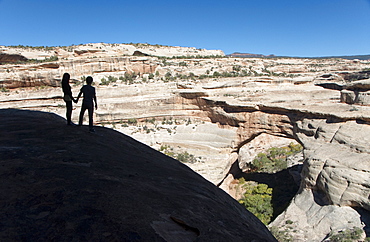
{"points": [[334, 135], [309, 221]]}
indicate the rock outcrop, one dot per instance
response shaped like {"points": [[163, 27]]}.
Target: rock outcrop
{"points": [[224, 111], [357, 92], [336, 171], [62, 183], [334, 193], [11, 58]]}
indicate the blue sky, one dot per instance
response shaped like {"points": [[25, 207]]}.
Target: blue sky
{"points": [[285, 27]]}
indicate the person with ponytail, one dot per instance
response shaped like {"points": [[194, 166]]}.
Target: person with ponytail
{"points": [[68, 98]]}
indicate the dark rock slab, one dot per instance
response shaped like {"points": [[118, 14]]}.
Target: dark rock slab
{"points": [[62, 183]]}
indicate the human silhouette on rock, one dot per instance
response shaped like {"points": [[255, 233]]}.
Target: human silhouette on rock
{"points": [[89, 97], [68, 98]]}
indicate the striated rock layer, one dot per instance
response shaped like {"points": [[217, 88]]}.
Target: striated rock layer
{"points": [[186, 104], [62, 183], [334, 193]]}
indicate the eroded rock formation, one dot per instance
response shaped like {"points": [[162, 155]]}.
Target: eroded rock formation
{"points": [[223, 120], [336, 168], [11, 58]]}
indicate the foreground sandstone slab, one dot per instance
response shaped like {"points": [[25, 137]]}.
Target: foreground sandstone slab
{"points": [[62, 183]]}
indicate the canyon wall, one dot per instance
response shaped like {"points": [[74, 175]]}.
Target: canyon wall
{"points": [[222, 111], [334, 192]]}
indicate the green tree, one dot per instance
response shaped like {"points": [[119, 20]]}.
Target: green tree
{"points": [[275, 158], [257, 199]]}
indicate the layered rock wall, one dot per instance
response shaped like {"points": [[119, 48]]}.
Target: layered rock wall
{"points": [[225, 119], [336, 169]]}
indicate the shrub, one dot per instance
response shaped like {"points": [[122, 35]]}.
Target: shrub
{"points": [[186, 157], [167, 150], [216, 74], [281, 235], [353, 234], [183, 157], [112, 79], [236, 68], [169, 77], [257, 199], [3, 89], [132, 121], [104, 81], [275, 159], [128, 78]]}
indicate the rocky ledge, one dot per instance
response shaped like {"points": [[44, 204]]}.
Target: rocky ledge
{"points": [[62, 183]]}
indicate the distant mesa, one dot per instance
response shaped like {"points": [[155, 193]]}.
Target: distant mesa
{"points": [[347, 57], [238, 54]]}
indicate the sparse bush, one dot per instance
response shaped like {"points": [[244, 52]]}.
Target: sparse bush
{"points": [[168, 76], [132, 121], [184, 157], [237, 68], [348, 235], [289, 222], [281, 235], [257, 199], [128, 78], [216, 74], [275, 159], [112, 79], [3, 89], [152, 121], [104, 81]]}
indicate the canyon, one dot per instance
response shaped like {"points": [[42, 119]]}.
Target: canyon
{"points": [[221, 112]]}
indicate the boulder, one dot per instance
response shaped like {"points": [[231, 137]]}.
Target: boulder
{"points": [[361, 85], [307, 220], [355, 97], [347, 96]]}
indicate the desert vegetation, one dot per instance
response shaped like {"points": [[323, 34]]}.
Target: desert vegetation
{"points": [[354, 234], [184, 157], [257, 199], [275, 158]]}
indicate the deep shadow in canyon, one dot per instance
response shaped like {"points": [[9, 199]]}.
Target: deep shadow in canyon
{"points": [[365, 218], [284, 184]]}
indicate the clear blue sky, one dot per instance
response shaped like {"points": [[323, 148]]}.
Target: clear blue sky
{"points": [[285, 27]]}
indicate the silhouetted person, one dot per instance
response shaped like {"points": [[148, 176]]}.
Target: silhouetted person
{"points": [[68, 98], [89, 97]]}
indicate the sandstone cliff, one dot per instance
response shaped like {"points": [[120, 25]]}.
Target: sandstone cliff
{"points": [[62, 183], [224, 111], [334, 192]]}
